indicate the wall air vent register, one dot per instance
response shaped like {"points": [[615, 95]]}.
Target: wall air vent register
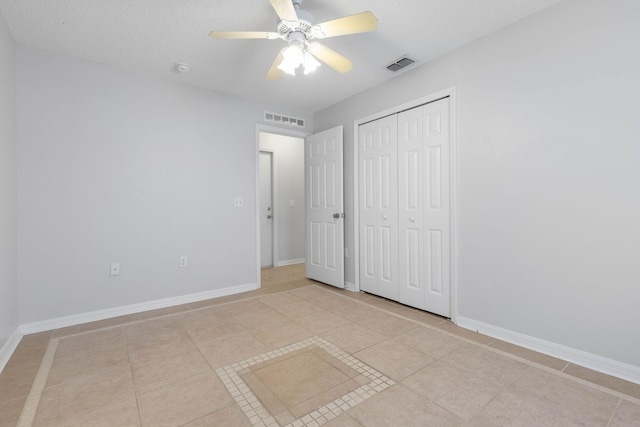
{"points": [[283, 120]]}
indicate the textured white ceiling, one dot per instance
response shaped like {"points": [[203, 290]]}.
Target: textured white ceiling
{"points": [[151, 36]]}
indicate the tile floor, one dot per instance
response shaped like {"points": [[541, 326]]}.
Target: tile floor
{"points": [[298, 353]]}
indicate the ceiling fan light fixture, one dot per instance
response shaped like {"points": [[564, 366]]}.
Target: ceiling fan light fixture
{"points": [[293, 56], [310, 63]]}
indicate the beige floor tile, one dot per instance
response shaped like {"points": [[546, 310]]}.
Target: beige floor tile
{"points": [[530, 355], [330, 300], [10, 411], [259, 319], [422, 316], [98, 341], [184, 401], [542, 398], [388, 325], [75, 403], [343, 420], [353, 338], [453, 389], [323, 321], [465, 333], [604, 380], [282, 334], [241, 307], [231, 416], [399, 406], [484, 364], [31, 349], [324, 398], [87, 361], [310, 292], [152, 329], [153, 373], [299, 309], [260, 390], [279, 299], [107, 323], [430, 341], [233, 349], [394, 359], [159, 345], [627, 415], [386, 304], [299, 378], [357, 312], [16, 379], [207, 327]]}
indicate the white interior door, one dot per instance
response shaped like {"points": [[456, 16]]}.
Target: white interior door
{"points": [[266, 209], [324, 207], [378, 207], [437, 203]]}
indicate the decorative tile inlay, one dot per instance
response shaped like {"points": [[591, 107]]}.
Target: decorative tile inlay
{"points": [[259, 416]]}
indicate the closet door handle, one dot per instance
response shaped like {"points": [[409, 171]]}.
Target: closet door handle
{"points": [[384, 217], [412, 219]]}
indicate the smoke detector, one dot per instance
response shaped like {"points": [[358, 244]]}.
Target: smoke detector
{"points": [[183, 68]]}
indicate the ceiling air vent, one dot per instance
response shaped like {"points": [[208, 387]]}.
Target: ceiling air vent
{"points": [[283, 120], [401, 63]]}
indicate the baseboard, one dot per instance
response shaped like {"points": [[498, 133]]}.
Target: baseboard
{"points": [[78, 319], [9, 347], [572, 355], [290, 262]]}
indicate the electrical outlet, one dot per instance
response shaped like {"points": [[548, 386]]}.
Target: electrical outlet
{"points": [[115, 269], [238, 202], [183, 261]]}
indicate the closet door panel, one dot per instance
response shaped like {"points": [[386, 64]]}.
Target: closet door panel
{"points": [[378, 207], [437, 214], [411, 280]]}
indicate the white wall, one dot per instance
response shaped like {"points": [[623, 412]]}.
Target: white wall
{"points": [[115, 166], [548, 204], [289, 166], [8, 187]]}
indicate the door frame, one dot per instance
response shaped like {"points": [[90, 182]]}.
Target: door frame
{"points": [[451, 94], [274, 194], [261, 128]]}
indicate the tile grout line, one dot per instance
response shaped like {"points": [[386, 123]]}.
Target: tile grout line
{"points": [[28, 414]]}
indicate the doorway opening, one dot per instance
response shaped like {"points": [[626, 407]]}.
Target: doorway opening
{"points": [[280, 196]]}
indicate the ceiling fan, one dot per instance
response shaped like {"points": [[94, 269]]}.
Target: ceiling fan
{"points": [[296, 27]]}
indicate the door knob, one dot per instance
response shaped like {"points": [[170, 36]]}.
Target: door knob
{"points": [[336, 215], [384, 217], [412, 219], [269, 216]]}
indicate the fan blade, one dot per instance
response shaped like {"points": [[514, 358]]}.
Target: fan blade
{"points": [[243, 35], [285, 10], [276, 73], [330, 57], [359, 23]]}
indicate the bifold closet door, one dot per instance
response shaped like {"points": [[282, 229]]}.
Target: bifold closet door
{"points": [[424, 206], [377, 186]]}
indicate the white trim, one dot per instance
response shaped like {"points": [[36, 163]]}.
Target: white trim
{"points": [[290, 262], [9, 347], [274, 198], [451, 94], [350, 286], [77, 319], [276, 131], [572, 355]]}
